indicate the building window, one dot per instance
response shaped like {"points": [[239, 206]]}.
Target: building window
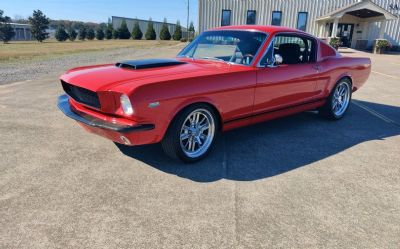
{"points": [[276, 18], [302, 21], [251, 17], [226, 18]]}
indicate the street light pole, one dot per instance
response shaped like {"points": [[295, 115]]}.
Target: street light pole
{"points": [[187, 23]]}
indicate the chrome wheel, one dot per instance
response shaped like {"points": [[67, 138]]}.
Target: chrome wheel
{"points": [[341, 98], [197, 133]]}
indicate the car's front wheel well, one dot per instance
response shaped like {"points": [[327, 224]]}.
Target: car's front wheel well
{"points": [[211, 106]]}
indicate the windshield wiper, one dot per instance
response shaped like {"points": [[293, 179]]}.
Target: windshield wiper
{"points": [[185, 56], [212, 58]]}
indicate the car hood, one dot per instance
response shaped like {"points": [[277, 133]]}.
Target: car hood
{"points": [[107, 77]]}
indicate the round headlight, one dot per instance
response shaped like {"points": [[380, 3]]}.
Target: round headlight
{"points": [[126, 105]]}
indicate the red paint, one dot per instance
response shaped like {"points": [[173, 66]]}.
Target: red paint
{"points": [[241, 94]]}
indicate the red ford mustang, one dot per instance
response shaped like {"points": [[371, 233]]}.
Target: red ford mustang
{"points": [[226, 78]]}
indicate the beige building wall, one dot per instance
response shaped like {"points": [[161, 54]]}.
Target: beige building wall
{"points": [[210, 13]]}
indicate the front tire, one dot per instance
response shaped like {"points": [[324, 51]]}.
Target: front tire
{"points": [[338, 101], [191, 134]]}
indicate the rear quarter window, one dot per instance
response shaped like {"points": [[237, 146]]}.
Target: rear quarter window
{"points": [[326, 50]]}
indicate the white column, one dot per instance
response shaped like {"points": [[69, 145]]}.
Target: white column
{"points": [[382, 29], [335, 27], [321, 29]]}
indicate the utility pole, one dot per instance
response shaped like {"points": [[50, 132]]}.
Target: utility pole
{"points": [[187, 23]]}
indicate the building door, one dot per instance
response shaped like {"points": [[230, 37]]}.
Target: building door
{"points": [[344, 32]]}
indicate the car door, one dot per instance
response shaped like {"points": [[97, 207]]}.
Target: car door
{"points": [[291, 83]]}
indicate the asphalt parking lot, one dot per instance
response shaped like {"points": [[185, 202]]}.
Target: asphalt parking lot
{"points": [[297, 182]]}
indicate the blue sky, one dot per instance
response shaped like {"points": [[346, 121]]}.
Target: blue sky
{"points": [[100, 10]]}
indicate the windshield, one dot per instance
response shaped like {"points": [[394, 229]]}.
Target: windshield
{"points": [[232, 46]]}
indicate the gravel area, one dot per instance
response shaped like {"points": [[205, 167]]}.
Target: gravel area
{"points": [[50, 67]]}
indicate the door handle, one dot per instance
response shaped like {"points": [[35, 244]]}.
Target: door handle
{"points": [[317, 67]]}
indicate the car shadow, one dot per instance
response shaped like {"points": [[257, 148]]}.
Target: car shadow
{"points": [[275, 147]]}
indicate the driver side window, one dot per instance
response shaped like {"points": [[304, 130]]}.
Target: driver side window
{"points": [[293, 49]]}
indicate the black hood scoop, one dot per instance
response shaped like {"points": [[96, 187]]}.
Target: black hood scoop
{"points": [[149, 63]]}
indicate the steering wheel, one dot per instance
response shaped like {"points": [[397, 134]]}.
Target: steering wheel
{"points": [[245, 58]]}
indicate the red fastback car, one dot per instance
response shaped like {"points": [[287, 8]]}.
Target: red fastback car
{"points": [[226, 78]]}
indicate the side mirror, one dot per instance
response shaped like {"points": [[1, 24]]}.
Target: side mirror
{"points": [[278, 59], [274, 61]]}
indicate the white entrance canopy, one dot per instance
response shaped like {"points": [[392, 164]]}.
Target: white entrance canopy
{"points": [[360, 9], [360, 14]]}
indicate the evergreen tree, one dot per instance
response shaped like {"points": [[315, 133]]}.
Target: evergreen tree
{"points": [[39, 24], [109, 31], [99, 34], [164, 33], [72, 34], [90, 34], [6, 31], [136, 32], [115, 34], [178, 32], [123, 31], [82, 33], [61, 35], [150, 32], [191, 27]]}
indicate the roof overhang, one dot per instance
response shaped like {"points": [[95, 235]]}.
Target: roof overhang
{"points": [[362, 9]]}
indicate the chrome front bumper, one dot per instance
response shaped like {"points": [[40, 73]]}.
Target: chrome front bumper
{"points": [[64, 105]]}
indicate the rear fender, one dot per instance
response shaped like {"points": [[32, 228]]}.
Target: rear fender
{"points": [[341, 76]]}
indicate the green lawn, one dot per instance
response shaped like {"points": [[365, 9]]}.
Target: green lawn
{"points": [[32, 49]]}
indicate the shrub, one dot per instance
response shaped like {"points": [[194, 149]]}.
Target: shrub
{"points": [[136, 32], [383, 43], [82, 33], [178, 32], [164, 33], [150, 32], [39, 24], [61, 35], [109, 32], [183, 40], [72, 34], [6, 31], [335, 42], [123, 31], [99, 34]]}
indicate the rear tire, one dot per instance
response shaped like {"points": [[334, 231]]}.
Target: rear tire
{"points": [[338, 101], [191, 134]]}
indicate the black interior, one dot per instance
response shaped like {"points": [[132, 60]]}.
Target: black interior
{"points": [[295, 49], [290, 53], [249, 46]]}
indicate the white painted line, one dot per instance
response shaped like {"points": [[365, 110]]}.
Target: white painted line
{"points": [[387, 75], [376, 114], [14, 83]]}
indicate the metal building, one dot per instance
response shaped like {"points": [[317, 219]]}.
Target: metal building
{"points": [[22, 32], [130, 22], [357, 22]]}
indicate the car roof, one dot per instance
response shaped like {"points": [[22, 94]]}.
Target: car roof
{"points": [[262, 28]]}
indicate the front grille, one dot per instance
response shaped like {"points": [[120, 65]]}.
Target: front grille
{"points": [[82, 95]]}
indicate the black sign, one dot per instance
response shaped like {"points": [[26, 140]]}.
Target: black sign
{"points": [[395, 7]]}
